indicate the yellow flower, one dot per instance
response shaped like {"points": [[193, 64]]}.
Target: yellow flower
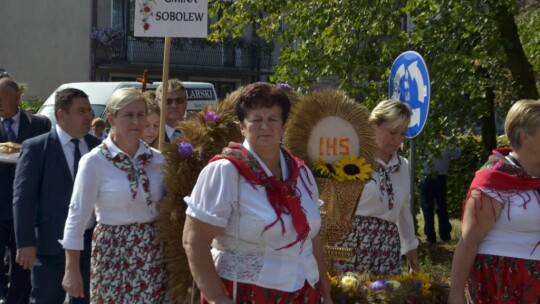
{"points": [[324, 169], [395, 284], [333, 280], [352, 168], [349, 282], [413, 277]]}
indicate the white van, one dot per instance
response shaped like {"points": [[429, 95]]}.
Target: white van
{"points": [[199, 94]]}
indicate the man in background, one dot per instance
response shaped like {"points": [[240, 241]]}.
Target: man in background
{"points": [[42, 192], [176, 103], [433, 187], [17, 126]]}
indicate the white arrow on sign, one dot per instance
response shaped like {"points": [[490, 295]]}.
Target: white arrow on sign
{"points": [[417, 75], [397, 77], [415, 118]]}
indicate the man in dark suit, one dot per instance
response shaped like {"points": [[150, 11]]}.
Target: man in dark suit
{"points": [[42, 191], [17, 126], [176, 103]]}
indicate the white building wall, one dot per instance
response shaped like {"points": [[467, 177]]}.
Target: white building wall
{"points": [[45, 43]]}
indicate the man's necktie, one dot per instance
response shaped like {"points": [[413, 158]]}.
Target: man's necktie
{"points": [[175, 135], [10, 134], [76, 156]]}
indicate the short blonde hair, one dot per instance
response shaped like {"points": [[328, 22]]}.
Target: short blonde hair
{"points": [[394, 111], [174, 85], [523, 116], [98, 122], [122, 98]]}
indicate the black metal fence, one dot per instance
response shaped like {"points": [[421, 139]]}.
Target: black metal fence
{"points": [[245, 55]]}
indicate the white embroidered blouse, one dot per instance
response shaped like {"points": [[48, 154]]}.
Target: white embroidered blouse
{"points": [[370, 203], [243, 246], [103, 188]]}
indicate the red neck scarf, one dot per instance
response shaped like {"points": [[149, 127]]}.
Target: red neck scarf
{"points": [[283, 196], [507, 179]]}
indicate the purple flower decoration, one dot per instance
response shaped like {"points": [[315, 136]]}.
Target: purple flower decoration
{"points": [[418, 284], [377, 285], [185, 149], [212, 116], [283, 85]]}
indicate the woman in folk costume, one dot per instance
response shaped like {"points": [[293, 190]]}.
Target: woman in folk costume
{"points": [[498, 256], [256, 205], [121, 181], [383, 228]]}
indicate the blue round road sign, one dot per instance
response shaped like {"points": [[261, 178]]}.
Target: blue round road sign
{"points": [[409, 83]]}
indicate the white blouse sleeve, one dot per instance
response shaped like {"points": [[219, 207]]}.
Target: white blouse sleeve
{"points": [[83, 199], [214, 193], [405, 221], [405, 225]]}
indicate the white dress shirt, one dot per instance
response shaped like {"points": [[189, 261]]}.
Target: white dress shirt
{"points": [[243, 246], [370, 203], [169, 132], [69, 147], [104, 188]]}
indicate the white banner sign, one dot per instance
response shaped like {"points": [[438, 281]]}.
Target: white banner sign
{"points": [[171, 18]]}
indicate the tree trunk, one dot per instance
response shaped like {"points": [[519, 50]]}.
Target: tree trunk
{"points": [[489, 128], [521, 69]]}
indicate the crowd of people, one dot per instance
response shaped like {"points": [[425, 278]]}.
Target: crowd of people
{"points": [[78, 209]]}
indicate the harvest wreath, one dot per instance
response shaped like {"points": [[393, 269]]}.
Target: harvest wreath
{"points": [[204, 135], [331, 133]]}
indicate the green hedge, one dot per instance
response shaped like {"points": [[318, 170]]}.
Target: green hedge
{"points": [[461, 171], [33, 102]]}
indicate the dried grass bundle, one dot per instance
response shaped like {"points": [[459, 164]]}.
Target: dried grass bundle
{"points": [[207, 138]]}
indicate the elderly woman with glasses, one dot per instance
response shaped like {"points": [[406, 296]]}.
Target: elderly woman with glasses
{"points": [[121, 181]]}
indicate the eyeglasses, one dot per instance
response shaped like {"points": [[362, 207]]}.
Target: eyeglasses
{"points": [[178, 101]]}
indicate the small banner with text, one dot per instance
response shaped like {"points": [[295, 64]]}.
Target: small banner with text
{"points": [[171, 18]]}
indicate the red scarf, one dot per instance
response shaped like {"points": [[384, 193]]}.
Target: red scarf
{"points": [[283, 196], [507, 179]]}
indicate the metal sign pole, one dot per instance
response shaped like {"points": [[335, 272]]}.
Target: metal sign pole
{"points": [[412, 165]]}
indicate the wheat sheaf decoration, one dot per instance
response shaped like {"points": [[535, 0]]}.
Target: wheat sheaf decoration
{"points": [[324, 123], [331, 133], [204, 135]]}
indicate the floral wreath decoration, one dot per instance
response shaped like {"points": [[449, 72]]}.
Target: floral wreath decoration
{"points": [[204, 134], [410, 288]]}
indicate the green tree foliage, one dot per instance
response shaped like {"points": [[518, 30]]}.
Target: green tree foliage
{"points": [[471, 52], [478, 53], [33, 102]]}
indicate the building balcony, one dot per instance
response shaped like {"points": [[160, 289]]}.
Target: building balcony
{"points": [[242, 55]]}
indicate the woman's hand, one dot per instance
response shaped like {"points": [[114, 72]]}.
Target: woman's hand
{"points": [[412, 260], [73, 283], [327, 299]]}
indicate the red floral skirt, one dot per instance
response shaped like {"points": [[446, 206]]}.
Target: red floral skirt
{"points": [[253, 294], [127, 265], [497, 279]]}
